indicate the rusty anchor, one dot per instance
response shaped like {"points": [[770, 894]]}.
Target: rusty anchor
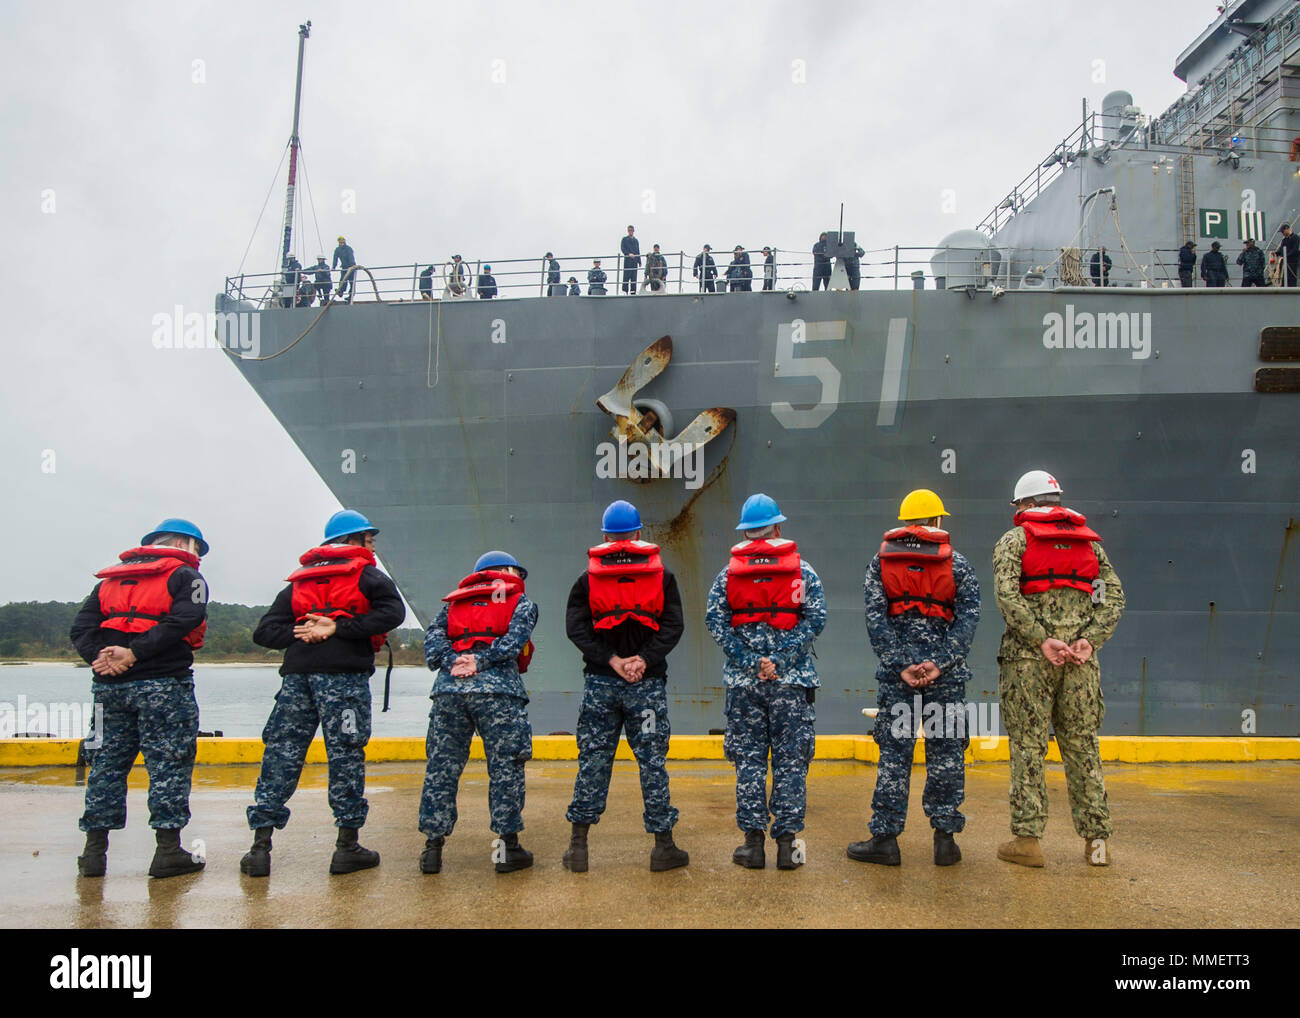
{"points": [[650, 422]]}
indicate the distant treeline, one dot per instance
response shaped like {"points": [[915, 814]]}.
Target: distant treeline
{"points": [[39, 629]]}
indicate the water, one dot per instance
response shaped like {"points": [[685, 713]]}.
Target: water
{"points": [[236, 700]]}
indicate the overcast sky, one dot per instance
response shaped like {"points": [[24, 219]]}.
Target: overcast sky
{"points": [[140, 141]]}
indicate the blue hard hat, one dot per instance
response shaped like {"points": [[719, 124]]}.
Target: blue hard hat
{"points": [[496, 559], [346, 522], [620, 518], [759, 511], [175, 525]]}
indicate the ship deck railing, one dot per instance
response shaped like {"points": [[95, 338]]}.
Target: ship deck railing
{"points": [[888, 268]]}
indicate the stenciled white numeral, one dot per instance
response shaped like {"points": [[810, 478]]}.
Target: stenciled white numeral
{"points": [[790, 366]]}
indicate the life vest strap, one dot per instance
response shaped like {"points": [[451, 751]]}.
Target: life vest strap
{"points": [[923, 598], [1053, 575]]}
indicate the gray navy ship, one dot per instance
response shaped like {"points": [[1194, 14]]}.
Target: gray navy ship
{"points": [[1171, 415]]}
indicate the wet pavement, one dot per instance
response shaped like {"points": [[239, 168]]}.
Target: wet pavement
{"points": [[1195, 845]]}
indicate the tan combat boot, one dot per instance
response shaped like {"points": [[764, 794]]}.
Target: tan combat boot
{"points": [[1096, 851], [1022, 852]]}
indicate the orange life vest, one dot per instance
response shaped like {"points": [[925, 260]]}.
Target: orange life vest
{"points": [[134, 594], [1058, 550], [329, 584], [625, 580], [765, 583], [480, 611], [916, 570]]}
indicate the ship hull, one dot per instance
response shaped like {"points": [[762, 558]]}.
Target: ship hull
{"points": [[462, 426]]}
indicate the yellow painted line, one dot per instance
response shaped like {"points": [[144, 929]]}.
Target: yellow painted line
{"points": [[862, 748]]}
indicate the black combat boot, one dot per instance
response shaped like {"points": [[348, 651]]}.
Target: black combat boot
{"points": [[93, 861], [665, 855], [785, 853], [431, 857], [750, 854], [516, 856], [946, 851], [349, 856], [169, 859], [883, 851], [575, 856], [257, 860]]}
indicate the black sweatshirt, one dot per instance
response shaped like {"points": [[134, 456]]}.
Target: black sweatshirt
{"points": [[161, 651], [629, 637], [348, 650]]}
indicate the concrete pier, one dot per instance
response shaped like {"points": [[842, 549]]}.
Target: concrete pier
{"points": [[1196, 845]]}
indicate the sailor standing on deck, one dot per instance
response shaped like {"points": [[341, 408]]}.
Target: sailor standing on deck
{"points": [[631, 251], [705, 270], [1187, 264], [596, 279], [478, 645], [765, 610], [138, 631], [821, 264], [1289, 250], [624, 615], [923, 604], [329, 622], [322, 279], [345, 261], [1061, 600]]}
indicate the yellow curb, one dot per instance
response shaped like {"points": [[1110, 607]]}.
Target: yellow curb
{"points": [[862, 748]]}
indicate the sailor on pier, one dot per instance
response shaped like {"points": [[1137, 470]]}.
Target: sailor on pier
{"points": [[923, 604], [1061, 600], [624, 615], [138, 631], [478, 645], [329, 621], [765, 610]]}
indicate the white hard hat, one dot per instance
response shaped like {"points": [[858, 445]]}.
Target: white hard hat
{"points": [[1036, 482]]}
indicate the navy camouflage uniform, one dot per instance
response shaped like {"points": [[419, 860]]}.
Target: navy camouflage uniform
{"points": [[611, 705], [325, 684], [149, 709], [769, 716], [340, 704], [908, 639], [492, 702]]}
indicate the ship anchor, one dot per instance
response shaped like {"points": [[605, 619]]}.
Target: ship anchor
{"points": [[647, 421]]}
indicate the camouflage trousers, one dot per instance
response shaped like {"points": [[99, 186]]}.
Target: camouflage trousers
{"points": [[158, 718], [1035, 694], [610, 706], [340, 704], [776, 718], [502, 722], [895, 733]]}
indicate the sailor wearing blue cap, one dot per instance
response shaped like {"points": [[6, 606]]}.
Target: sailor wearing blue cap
{"points": [[138, 631], [329, 621], [624, 615], [765, 610], [478, 645]]}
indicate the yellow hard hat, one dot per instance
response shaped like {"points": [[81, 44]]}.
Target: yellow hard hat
{"points": [[921, 504], [342, 241]]}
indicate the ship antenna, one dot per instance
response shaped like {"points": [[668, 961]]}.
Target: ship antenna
{"points": [[303, 32], [841, 222]]}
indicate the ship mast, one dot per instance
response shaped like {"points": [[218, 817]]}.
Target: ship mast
{"points": [[303, 32]]}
